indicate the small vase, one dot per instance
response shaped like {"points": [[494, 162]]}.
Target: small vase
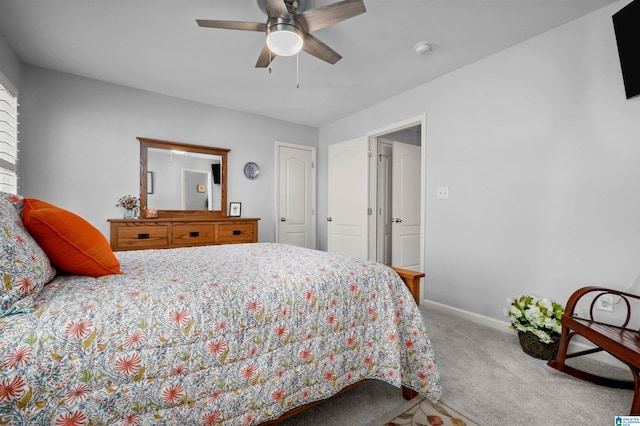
{"points": [[128, 214]]}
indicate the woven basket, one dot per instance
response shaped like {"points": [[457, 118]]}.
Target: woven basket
{"points": [[532, 346]]}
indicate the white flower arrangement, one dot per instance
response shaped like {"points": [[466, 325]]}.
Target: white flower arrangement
{"points": [[539, 316], [128, 202]]}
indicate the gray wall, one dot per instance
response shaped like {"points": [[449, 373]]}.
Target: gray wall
{"points": [[10, 64], [79, 148], [541, 154]]}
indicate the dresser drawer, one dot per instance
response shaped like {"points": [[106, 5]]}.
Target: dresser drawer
{"points": [[236, 233], [142, 237], [193, 234], [140, 234]]}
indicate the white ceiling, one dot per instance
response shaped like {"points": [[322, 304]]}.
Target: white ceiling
{"points": [[155, 45]]}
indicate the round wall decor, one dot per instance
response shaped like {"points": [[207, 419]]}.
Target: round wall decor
{"points": [[251, 170]]}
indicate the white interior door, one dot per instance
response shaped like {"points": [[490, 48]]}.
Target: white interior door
{"points": [[406, 206], [348, 188], [296, 195]]}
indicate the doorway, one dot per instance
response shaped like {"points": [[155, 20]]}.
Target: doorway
{"points": [[358, 200], [413, 132], [398, 183], [352, 194]]}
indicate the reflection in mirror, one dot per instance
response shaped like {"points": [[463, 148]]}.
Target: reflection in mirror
{"points": [[196, 190], [183, 180]]}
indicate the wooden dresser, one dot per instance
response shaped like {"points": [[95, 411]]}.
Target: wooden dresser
{"points": [[141, 234]]}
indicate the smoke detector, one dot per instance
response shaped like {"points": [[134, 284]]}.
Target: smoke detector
{"points": [[422, 47]]}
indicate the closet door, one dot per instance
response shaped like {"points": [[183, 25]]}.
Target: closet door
{"points": [[296, 195], [348, 189], [406, 206]]}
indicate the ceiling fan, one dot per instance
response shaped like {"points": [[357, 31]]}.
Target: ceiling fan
{"points": [[289, 26]]}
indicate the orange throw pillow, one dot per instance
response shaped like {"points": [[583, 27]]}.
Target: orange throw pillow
{"points": [[70, 242]]}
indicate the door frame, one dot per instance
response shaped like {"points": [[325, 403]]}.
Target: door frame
{"points": [[373, 179], [313, 150], [378, 254]]}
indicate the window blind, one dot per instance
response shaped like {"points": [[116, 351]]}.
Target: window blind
{"points": [[8, 136]]}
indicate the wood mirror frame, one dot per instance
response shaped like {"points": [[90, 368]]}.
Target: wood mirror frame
{"points": [[146, 143]]}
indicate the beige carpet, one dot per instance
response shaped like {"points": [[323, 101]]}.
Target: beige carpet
{"points": [[487, 378], [421, 411]]}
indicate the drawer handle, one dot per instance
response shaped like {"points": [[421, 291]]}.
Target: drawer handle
{"points": [[194, 234], [236, 232], [143, 236]]}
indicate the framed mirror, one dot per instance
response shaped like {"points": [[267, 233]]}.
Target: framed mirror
{"points": [[183, 180]]}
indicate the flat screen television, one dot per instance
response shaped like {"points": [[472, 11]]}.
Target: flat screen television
{"points": [[215, 169], [626, 24]]}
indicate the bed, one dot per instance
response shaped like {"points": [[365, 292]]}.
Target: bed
{"points": [[233, 334]]}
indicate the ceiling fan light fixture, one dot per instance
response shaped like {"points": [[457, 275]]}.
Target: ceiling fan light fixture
{"points": [[284, 39]]}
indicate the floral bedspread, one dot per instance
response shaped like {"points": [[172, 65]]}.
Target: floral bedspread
{"points": [[234, 334]]}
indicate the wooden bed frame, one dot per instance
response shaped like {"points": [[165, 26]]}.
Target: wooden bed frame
{"points": [[412, 280]]}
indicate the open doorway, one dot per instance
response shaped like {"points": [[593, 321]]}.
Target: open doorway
{"points": [[398, 213], [352, 194], [397, 233]]}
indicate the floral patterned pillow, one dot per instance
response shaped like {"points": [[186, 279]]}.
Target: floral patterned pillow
{"points": [[24, 267]]}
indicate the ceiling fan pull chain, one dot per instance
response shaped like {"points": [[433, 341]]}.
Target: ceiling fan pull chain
{"points": [[269, 40], [297, 71]]}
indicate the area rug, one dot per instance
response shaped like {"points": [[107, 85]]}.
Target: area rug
{"points": [[420, 411]]}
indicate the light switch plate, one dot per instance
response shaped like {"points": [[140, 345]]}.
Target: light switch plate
{"points": [[443, 193]]}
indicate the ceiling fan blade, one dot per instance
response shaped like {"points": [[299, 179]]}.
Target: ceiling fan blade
{"points": [[276, 9], [265, 58], [232, 25], [330, 14], [315, 47]]}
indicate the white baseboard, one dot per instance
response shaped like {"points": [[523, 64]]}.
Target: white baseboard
{"points": [[504, 327]]}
